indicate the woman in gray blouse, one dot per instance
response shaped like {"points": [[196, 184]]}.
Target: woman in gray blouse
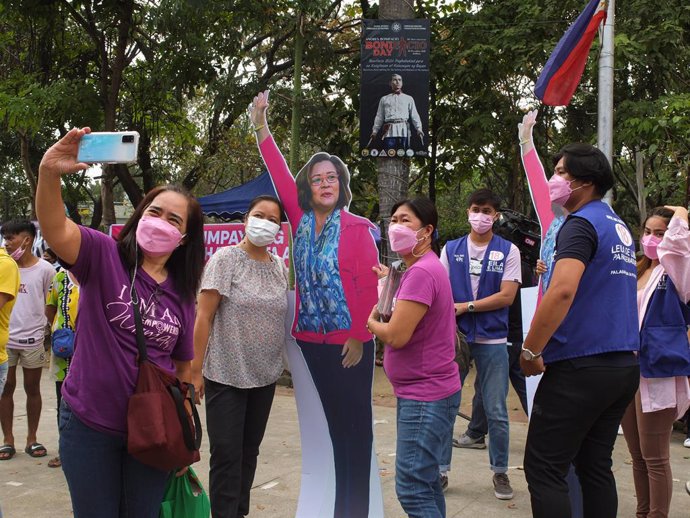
{"points": [[239, 336]]}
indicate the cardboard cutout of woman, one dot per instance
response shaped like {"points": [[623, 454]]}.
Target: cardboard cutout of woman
{"points": [[333, 255], [551, 218]]}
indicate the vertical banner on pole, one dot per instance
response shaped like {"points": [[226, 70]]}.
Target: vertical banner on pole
{"points": [[394, 91]]}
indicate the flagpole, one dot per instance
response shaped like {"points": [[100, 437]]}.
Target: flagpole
{"points": [[605, 101]]}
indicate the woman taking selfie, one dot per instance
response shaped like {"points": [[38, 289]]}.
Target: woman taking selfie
{"points": [[419, 359], [239, 337], [663, 292], [161, 246]]}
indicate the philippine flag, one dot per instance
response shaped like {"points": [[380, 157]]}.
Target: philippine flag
{"points": [[563, 70]]}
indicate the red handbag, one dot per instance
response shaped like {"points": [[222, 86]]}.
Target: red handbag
{"points": [[161, 431]]}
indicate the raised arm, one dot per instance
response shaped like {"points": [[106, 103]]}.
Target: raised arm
{"points": [[674, 252], [275, 162], [536, 176], [61, 233]]}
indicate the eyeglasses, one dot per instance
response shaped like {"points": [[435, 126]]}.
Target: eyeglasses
{"points": [[329, 179]]}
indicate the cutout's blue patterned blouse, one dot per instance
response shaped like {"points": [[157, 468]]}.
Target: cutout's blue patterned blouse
{"points": [[322, 304], [549, 249]]}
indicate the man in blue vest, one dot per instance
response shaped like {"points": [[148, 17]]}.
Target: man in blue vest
{"points": [[485, 275], [582, 338]]}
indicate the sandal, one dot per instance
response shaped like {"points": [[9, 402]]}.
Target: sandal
{"points": [[36, 450], [55, 462], [7, 451]]}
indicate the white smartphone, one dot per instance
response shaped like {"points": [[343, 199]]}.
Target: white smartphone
{"points": [[119, 147]]}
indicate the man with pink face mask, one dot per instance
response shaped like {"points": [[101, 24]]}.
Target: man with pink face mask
{"points": [[26, 335], [582, 337], [485, 274]]}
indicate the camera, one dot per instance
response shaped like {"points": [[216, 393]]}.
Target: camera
{"points": [[523, 232], [127, 139]]}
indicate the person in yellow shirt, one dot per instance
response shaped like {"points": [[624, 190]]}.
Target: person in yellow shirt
{"points": [[61, 310], [9, 286]]}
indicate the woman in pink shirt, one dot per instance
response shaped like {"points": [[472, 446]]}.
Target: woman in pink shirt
{"points": [[419, 359], [663, 291]]}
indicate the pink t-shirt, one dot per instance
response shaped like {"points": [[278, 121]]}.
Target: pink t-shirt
{"points": [[425, 369], [28, 318]]}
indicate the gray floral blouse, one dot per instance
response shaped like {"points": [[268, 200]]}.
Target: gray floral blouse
{"points": [[248, 332]]}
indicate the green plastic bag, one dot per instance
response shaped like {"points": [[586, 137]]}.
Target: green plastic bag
{"points": [[185, 498]]}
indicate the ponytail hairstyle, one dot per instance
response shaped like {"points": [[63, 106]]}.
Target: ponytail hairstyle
{"points": [[644, 262]]}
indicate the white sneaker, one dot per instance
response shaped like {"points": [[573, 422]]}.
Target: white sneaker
{"points": [[686, 442]]}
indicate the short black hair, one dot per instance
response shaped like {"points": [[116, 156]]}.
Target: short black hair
{"points": [[267, 197], [484, 196], [587, 163], [425, 210], [17, 226], [52, 254]]}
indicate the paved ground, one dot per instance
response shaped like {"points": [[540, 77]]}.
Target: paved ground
{"points": [[29, 489]]}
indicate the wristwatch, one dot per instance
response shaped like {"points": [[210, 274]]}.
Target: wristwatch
{"points": [[529, 355], [470, 307]]}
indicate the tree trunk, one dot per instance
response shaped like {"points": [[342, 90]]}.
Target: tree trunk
{"points": [[435, 123], [393, 173], [639, 177], [28, 170], [296, 96], [111, 89], [97, 216], [687, 185]]}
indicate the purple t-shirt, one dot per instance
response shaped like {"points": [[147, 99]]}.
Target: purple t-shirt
{"points": [[425, 369], [103, 372]]}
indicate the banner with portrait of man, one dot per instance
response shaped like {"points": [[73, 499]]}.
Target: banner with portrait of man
{"points": [[394, 91]]}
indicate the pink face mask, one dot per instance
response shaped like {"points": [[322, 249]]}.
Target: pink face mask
{"points": [[481, 223], [401, 238], [560, 190], [649, 244], [157, 237], [19, 252]]}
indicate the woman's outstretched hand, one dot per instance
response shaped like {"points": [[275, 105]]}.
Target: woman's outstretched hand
{"points": [[525, 128], [61, 157], [258, 109]]}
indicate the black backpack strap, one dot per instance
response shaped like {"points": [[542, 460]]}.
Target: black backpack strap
{"points": [[191, 439]]}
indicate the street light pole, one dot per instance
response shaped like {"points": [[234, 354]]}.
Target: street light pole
{"points": [[605, 99]]}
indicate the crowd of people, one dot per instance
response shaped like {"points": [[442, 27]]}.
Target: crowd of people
{"points": [[609, 336]]}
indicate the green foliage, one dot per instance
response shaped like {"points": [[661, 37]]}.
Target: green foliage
{"points": [[191, 67]]}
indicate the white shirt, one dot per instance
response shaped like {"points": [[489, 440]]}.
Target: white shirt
{"points": [[28, 318], [397, 107], [512, 273]]}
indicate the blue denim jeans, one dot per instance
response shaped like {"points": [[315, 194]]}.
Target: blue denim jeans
{"points": [[479, 426], [491, 391], [424, 430], [104, 480]]}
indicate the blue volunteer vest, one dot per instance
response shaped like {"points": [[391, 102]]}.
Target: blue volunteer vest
{"points": [[603, 316], [664, 346], [484, 324]]}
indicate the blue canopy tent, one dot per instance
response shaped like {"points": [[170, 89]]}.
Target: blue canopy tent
{"points": [[233, 203]]}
